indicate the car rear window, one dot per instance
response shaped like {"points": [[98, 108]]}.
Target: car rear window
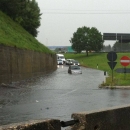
{"points": [[75, 67]]}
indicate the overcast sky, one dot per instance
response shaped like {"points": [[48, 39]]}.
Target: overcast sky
{"points": [[61, 18]]}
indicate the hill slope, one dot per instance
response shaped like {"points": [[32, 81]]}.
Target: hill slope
{"points": [[12, 34]]}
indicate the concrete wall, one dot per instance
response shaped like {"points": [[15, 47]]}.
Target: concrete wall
{"points": [[18, 64], [34, 125], [116, 118]]}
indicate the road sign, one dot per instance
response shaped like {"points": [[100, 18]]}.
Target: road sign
{"points": [[123, 70], [112, 56], [109, 36], [125, 61], [121, 37], [112, 64]]}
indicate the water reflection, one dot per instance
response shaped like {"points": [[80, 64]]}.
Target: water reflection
{"points": [[125, 94], [60, 66]]}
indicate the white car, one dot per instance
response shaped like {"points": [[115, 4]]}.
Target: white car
{"points": [[59, 62]]}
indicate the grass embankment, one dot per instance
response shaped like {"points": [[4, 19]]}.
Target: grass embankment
{"points": [[12, 34], [119, 79]]}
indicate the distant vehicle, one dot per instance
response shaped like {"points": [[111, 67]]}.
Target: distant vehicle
{"points": [[74, 69], [61, 56], [69, 61], [59, 62], [75, 62]]}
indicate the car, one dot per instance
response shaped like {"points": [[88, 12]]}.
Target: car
{"points": [[59, 62], [75, 62], [69, 61], [74, 69]]}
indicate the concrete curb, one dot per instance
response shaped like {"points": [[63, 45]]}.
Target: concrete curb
{"points": [[115, 87]]}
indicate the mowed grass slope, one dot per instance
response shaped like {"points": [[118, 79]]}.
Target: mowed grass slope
{"points": [[12, 34], [101, 60]]}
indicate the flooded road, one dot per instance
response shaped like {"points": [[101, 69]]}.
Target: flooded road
{"points": [[58, 95]]}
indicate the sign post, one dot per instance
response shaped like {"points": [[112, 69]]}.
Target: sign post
{"points": [[125, 61], [112, 56]]}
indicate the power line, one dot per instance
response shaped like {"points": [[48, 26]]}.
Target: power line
{"points": [[61, 11], [83, 10], [86, 12]]}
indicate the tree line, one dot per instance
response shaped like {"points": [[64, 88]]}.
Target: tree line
{"points": [[24, 12], [117, 47]]}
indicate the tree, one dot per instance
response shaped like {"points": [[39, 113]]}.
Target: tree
{"points": [[79, 39], [88, 39], [107, 48], [119, 47], [24, 12], [31, 18], [12, 8], [95, 39]]}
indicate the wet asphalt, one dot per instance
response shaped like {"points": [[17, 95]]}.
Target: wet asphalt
{"points": [[57, 95]]}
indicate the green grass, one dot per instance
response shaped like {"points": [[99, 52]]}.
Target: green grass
{"points": [[12, 34], [101, 59]]}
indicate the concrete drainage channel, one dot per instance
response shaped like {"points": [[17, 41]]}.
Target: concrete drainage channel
{"points": [[115, 118]]}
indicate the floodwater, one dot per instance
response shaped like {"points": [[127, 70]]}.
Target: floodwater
{"points": [[57, 95]]}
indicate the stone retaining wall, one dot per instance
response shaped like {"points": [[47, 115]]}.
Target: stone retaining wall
{"points": [[18, 64]]}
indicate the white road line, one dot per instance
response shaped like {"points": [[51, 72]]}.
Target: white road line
{"points": [[69, 92]]}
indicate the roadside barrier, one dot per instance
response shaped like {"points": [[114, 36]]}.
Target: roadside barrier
{"points": [[114, 118]]}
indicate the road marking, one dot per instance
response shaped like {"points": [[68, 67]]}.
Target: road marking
{"points": [[69, 92]]}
